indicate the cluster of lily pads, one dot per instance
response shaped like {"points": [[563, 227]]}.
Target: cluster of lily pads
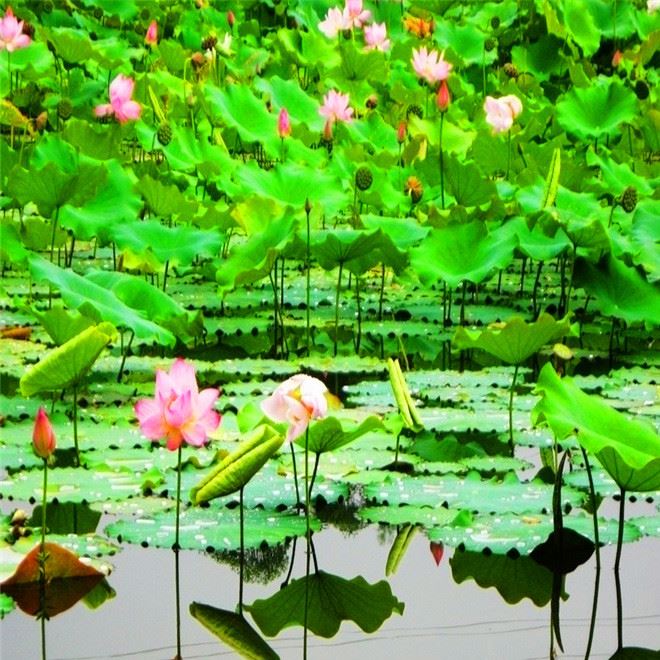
{"points": [[446, 211]]}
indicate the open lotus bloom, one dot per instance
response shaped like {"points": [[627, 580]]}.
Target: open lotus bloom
{"points": [[375, 37], [335, 21], [11, 33], [355, 15], [297, 401], [121, 105], [179, 412], [430, 65], [501, 112], [335, 107]]}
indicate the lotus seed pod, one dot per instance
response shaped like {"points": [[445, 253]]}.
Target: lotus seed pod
{"points": [[164, 134], [629, 199], [495, 22], [210, 42], [490, 44], [415, 109], [510, 70], [64, 109], [642, 90], [363, 178], [414, 188]]}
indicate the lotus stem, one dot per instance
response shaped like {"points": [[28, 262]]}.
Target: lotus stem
{"points": [[75, 424], [125, 355], [295, 474], [617, 577], [341, 268], [442, 167], [242, 552], [513, 385], [308, 296], [176, 554], [308, 538], [358, 338], [314, 472], [52, 239], [508, 155]]}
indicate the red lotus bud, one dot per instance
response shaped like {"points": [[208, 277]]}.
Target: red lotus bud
{"points": [[43, 436], [443, 98], [616, 58], [231, 19], [283, 124], [401, 132]]}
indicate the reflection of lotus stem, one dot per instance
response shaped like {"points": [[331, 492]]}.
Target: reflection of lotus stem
{"points": [[513, 385], [75, 424], [594, 607], [617, 578], [308, 539], [42, 564], [176, 555]]}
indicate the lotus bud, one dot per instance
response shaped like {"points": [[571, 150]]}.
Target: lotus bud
{"points": [[443, 98], [43, 436], [616, 58], [231, 19], [283, 124], [401, 132]]}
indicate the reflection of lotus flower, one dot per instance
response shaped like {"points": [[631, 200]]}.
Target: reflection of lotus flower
{"points": [[121, 105], [297, 401], [501, 112], [151, 38], [179, 412], [283, 124], [43, 436], [437, 550], [375, 36], [431, 66], [11, 33], [335, 22]]}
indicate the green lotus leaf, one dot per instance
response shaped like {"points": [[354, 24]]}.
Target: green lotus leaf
{"points": [[62, 325], [330, 600], [628, 449], [416, 515], [234, 631], [11, 247], [153, 303], [514, 579], [598, 110], [211, 530], [620, 291], [466, 41], [96, 302], [518, 535], [355, 249], [180, 245], [461, 251], [113, 204], [71, 45], [580, 26], [467, 184], [615, 177], [287, 94], [66, 365], [165, 200], [328, 434], [516, 340], [535, 242], [236, 470], [470, 492]]}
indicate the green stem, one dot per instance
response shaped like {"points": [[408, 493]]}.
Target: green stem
{"points": [[75, 423], [308, 538], [508, 155], [242, 553], [511, 391], [341, 268], [442, 168], [617, 578], [176, 555], [295, 474], [52, 240], [308, 295]]}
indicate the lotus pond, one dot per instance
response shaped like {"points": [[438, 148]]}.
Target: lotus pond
{"points": [[329, 329]]}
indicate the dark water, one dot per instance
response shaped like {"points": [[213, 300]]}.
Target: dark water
{"points": [[441, 619]]}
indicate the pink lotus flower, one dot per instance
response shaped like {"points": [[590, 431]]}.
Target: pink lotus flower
{"points": [[355, 15], [335, 21], [179, 412], [283, 124], [121, 105], [652, 5], [151, 38], [43, 436], [11, 33], [375, 36], [297, 401], [501, 112], [335, 107], [430, 66]]}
